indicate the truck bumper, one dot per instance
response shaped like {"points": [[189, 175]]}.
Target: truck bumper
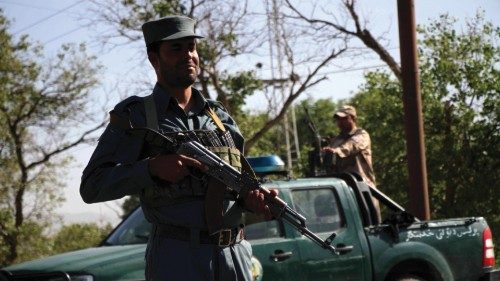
{"points": [[493, 275]]}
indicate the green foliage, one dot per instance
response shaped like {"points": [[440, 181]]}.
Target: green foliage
{"points": [[239, 86], [139, 12], [36, 243], [33, 245], [40, 103], [462, 97], [321, 112], [460, 86], [232, 88], [250, 122], [170, 7], [7, 223], [79, 236]]}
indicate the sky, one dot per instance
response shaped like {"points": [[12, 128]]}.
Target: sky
{"points": [[55, 22]]}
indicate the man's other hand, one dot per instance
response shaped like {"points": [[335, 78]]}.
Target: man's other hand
{"points": [[254, 201]]}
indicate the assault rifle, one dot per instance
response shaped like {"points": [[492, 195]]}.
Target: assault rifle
{"points": [[318, 160], [239, 182]]}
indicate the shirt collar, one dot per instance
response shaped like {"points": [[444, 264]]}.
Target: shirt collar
{"points": [[162, 98]]}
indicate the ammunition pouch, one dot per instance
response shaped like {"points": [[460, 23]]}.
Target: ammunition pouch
{"points": [[230, 155]]}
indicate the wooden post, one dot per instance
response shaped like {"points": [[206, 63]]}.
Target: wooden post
{"points": [[418, 191]]}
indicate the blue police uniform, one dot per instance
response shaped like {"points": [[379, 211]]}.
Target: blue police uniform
{"points": [[119, 167]]}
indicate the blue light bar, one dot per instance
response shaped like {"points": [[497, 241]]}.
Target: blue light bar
{"points": [[267, 164]]}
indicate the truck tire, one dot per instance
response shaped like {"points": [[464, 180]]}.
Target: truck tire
{"points": [[409, 277], [414, 270]]}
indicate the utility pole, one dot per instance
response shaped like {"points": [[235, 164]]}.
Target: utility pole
{"points": [[414, 128], [276, 44], [295, 135]]}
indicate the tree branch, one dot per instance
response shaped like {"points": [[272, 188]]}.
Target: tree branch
{"points": [[361, 33], [57, 151], [291, 98]]}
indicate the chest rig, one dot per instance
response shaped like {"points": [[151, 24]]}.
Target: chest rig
{"points": [[195, 186]]}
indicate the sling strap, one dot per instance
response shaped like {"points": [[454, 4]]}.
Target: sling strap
{"points": [[151, 117], [214, 198], [210, 112]]}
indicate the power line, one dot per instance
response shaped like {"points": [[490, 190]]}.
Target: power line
{"points": [[48, 17], [27, 5], [62, 35], [355, 69], [281, 81]]}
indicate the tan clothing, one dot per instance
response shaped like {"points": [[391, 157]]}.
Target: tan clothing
{"points": [[353, 153]]}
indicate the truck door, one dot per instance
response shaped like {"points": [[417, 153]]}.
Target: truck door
{"points": [[326, 214], [278, 254]]}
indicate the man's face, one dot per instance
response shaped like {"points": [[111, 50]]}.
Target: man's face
{"points": [[345, 124], [177, 63]]}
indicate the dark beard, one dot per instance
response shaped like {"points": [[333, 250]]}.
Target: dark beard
{"points": [[176, 80]]}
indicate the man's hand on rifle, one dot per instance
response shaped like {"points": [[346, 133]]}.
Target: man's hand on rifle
{"points": [[254, 201], [173, 167], [328, 149]]}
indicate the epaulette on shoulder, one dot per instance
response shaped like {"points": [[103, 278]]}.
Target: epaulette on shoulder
{"points": [[128, 102], [218, 104], [124, 111]]}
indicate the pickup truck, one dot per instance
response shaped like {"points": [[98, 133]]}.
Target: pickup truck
{"points": [[400, 247]]}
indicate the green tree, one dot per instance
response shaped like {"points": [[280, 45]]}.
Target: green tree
{"points": [[461, 103], [34, 243], [462, 85], [40, 103], [79, 236]]}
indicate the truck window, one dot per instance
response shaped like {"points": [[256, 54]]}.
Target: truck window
{"points": [[320, 207], [134, 230]]}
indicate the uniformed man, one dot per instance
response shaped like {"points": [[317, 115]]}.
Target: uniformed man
{"points": [[351, 149], [197, 231]]}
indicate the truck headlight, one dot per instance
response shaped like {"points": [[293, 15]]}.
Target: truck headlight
{"points": [[82, 278]]}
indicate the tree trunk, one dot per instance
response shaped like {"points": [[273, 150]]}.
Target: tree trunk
{"points": [[11, 239]]}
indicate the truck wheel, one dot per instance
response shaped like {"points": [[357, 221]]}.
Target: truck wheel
{"points": [[409, 277]]}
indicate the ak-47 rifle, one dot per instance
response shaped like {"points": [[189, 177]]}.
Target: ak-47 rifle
{"points": [[318, 160], [239, 182]]}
